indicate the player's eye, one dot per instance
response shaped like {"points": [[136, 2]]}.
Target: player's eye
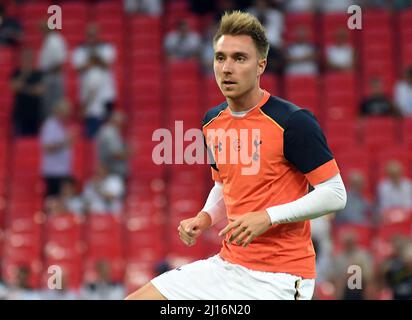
{"points": [[240, 58], [220, 58]]}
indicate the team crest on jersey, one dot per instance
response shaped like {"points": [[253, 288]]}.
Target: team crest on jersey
{"points": [[256, 143], [237, 145]]}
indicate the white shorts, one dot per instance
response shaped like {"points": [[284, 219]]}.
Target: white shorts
{"points": [[216, 279]]}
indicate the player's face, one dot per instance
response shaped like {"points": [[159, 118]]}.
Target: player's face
{"points": [[237, 65]]}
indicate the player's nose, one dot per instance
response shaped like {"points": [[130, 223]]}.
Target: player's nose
{"points": [[227, 67]]}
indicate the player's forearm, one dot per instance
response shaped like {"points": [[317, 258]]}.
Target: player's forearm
{"points": [[215, 205], [327, 197]]}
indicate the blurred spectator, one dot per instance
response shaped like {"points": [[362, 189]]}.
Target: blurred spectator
{"points": [[207, 54], [403, 93], [399, 274], [300, 5], [182, 43], [52, 56], [57, 141], [26, 82], [351, 255], [273, 22], [149, 7], [377, 103], [301, 56], [93, 61], [375, 4], [336, 5], [21, 289], [70, 198], [401, 4], [53, 205], [321, 237], [340, 56], [395, 191], [111, 147], [94, 101], [103, 288], [104, 193], [203, 7], [62, 293], [10, 29], [358, 207]]}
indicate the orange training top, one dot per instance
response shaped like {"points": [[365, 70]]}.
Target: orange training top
{"points": [[266, 158]]}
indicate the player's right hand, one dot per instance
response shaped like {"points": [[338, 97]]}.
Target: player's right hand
{"points": [[190, 229]]}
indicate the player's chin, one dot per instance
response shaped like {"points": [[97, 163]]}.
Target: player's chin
{"points": [[232, 94]]}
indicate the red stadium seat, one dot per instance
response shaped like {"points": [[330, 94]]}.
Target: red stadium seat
{"points": [[270, 83], [376, 19], [297, 20], [172, 20], [331, 24], [141, 23], [406, 133], [303, 91], [397, 223], [145, 244], [399, 153], [22, 242], [64, 246], [104, 243], [363, 235], [138, 273], [379, 132]]}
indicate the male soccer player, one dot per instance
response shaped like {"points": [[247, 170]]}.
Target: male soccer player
{"points": [[267, 252]]}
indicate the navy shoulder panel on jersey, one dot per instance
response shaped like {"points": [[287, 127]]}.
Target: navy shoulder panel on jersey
{"points": [[209, 116], [213, 113], [304, 144], [279, 110]]}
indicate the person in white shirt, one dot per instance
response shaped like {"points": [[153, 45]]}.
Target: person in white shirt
{"points": [[403, 94], [71, 201], [300, 5], [182, 43], [335, 5], [52, 56], [340, 56], [56, 143], [96, 83], [148, 7], [99, 56], [301, 55], [104, 193], [396, 190], [273, 21]]}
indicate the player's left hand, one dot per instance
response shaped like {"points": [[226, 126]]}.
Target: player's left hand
{"points": [[247, 227]]}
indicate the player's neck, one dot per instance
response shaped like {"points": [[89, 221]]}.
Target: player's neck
{"points": [[246, 102]]}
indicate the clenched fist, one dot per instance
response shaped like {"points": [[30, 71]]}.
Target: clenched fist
{"points": [[190, 229]]}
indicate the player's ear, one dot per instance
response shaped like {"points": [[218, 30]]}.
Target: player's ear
{"points": [[261, 66]]}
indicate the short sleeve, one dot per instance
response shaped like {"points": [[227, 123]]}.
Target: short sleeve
{"points": [[306, 148]]}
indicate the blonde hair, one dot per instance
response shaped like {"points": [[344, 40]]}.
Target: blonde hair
{"points": [[241, 23]]}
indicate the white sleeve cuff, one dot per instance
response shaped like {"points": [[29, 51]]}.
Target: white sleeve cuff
{"points": [[327, 197], [215, 204]]}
